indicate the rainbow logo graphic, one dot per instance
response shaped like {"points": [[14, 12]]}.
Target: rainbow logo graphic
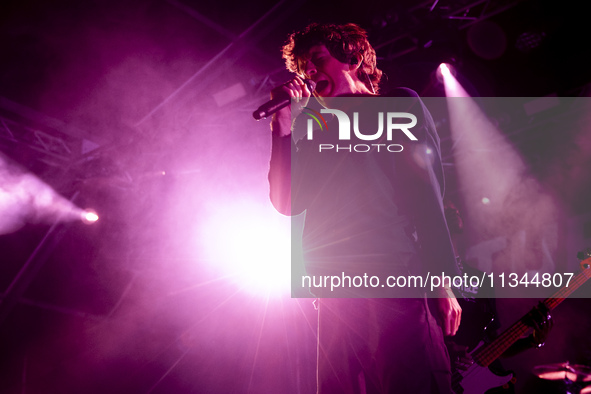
{"points": [[315, 115]]}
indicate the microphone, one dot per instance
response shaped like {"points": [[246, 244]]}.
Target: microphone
{"points": [[272, 106]]}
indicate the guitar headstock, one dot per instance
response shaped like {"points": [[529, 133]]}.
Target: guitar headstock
{"points": [[585, 257]]}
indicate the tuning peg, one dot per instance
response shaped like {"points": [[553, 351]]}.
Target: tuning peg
{"points": [[584, 254]]}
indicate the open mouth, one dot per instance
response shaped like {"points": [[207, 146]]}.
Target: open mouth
{"points": [[321, 85]]}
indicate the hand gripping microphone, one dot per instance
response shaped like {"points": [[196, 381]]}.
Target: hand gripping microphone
{"points": [[272, 106]]}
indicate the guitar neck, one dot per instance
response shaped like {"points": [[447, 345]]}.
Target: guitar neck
{"points": [[489, 353]]}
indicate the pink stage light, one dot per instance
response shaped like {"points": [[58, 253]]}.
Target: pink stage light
{"points": [[446, 75], [504, 202], [444, 69], [89, 216], [26, 198], [250, 245]]}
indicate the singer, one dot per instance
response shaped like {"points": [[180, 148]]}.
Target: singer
{"points": [[375, 213], [282, 100]]}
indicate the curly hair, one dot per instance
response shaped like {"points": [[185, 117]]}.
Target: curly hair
{"points": [[344, 42]]}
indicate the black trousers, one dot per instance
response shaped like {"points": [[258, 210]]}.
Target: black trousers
{"points": [[371, 346]]}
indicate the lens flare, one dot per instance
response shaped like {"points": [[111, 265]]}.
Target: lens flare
{"points": [[250, 245]]}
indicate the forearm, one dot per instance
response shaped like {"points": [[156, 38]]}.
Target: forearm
{"points": [[436, 247], [280, 173], [446, 310], [436, 241], [282, 144]]}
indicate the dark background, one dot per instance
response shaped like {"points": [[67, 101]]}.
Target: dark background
{"points": [[98, 98]]}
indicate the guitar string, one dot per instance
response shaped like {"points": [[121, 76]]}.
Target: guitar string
{"points": [[497, 347], [484, 357]]}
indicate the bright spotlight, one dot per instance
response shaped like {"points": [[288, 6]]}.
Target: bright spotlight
{"points": [[24, 196], [485, 200], [250, 245], [444, 69], [88, 216], [445, 72]]}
